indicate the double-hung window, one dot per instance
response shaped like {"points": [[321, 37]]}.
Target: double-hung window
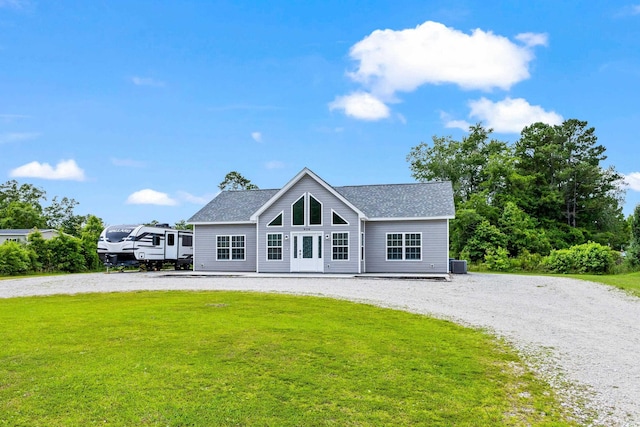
{"points": [[413, 246], [340, 246], [404, 246], [274, 246], [230, 248]]}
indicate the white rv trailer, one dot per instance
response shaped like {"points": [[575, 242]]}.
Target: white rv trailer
{"points": [[146, 245]]}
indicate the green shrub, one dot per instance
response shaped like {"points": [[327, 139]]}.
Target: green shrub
{"points": [[527, 261], [41, 258], [586, 258], [497, 260], [14, 258], [485, 238], [560, 261], [66, 254]]}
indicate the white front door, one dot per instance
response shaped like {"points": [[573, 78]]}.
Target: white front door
{"points": [[306, 252]]}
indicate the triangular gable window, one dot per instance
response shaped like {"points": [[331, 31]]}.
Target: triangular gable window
{"points": [[276, 222], [307, 210], [315, 211], [336, 219], [298, 211]]}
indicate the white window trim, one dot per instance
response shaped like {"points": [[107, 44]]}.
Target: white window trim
{"points": [[266, 242], [272, 219], [340, 246], [306, 220], [230, 248], [338, 225], [404, 247], [309, 196], [304, 211]]}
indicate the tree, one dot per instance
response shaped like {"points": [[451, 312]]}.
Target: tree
{"points": [[89, 241], [485, 239], [473, 165], [66, 253], [93, 227], [11, 191], [463, 227], [633, 251], [19, 214], [521, 231], [20, 206], [59, 215], [14, 258], [547, 190], [182, 225], [235, 181], [42, 254], [565, 182]]}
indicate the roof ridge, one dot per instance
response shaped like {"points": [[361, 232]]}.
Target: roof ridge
{"points": [[392, 184], [254, 189]]}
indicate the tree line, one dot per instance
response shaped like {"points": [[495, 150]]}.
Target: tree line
{"points": [[72, 250], [545, 195], [23, 206], [544, 201]]}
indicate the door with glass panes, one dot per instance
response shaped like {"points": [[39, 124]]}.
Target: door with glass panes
{"points": [[306, 252]]}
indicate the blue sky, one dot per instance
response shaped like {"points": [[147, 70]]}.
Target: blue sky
{"points": [[138, 109]]}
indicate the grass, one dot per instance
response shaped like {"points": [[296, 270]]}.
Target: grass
{"points": [[245, 359], [629, 282]]}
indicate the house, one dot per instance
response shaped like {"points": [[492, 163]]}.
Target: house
{"points": [[310, 226], [20, 235]]}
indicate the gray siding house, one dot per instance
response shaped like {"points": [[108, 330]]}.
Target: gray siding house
{"points": [[310, 226], [21, 235]]}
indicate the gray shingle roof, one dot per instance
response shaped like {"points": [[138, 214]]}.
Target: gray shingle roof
{"points": [[417, 200], [233, 206], [22, 231]]}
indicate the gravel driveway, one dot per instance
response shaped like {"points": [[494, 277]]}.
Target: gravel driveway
{"points": [[584, 338]]}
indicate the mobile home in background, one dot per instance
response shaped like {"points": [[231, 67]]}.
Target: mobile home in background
{"points": [[150, 246]]}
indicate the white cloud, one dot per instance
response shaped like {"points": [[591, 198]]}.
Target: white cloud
{"points": [[449, 122], [510, 115], [274, 164], [392, 61], [633, 180], [64, 170], [147, 81], [257, 136], [130, 163], [150, 197], [17, 137], [457, 124], [533, 39], [196, 200], [361, 105]]}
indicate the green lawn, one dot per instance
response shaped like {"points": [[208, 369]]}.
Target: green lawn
{"points": [[629, 281], [247, 359]]}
